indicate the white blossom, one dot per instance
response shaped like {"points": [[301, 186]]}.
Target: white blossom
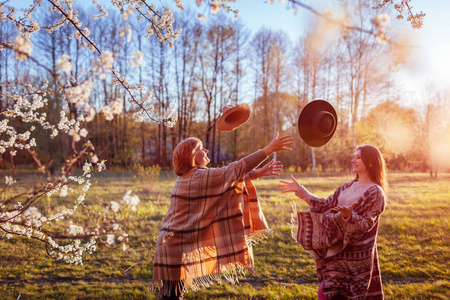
{"points": [[83, 132], [110, 239], [122, 32], [94, 159], [115, 206], [107, 112], [101, 165], [215, 6], [117, 106], [75, 134], [131, 199], [9, 180], [381, 22], [33, 142], [138, 59], [114, 108], [22, 47], [87, 168], [64, 63], [32, 213], [64, 191], [107, 59], [74, 229], [91, 115]]}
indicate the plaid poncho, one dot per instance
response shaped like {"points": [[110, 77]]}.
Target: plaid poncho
{"points": [[213, 219], [345, 251]]}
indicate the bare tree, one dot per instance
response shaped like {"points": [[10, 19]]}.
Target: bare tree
{"points": [[312, 64], [240, 60], [186, 68], [262, 66], [362, 72], [218, 48]]}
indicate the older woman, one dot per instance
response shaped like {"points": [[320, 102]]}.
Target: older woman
{"points": [[213, 219], [341, 230]]}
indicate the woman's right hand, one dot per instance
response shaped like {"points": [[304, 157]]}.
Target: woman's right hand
{"points": [[270, 169], [293, 186], [287, 186], [278, 144]]}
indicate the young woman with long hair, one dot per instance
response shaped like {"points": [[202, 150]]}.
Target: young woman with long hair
{"points": [[340, 231]]}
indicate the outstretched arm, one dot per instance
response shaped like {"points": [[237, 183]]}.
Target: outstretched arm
{"points": [[270, 169], [277, 144], [299, 190]]}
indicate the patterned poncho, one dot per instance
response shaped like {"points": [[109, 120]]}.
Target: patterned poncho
{"points": [[213, 219], [345, 251]]}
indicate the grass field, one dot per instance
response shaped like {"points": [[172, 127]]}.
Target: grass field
{"points": [[413, 246]]}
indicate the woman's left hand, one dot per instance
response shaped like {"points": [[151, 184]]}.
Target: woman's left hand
{"points": [[346, 211], [270, 169]]}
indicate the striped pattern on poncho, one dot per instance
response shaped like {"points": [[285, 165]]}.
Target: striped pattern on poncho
{"points": [[345, 251], [213, 219]]}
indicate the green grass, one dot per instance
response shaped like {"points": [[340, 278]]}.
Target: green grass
{"points": [[413, 246]]}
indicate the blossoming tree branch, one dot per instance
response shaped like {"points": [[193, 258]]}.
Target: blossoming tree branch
{"points": [[23, 115], [19, 215], [402, 7]]}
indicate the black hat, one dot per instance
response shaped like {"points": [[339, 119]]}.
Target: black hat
{"points": [[317, 123]]}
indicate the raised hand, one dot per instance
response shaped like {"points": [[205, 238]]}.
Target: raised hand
{"points": [[279, 144], [299, 190], [271, 168], [287, 186]]}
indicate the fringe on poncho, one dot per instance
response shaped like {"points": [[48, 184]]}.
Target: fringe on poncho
{"points": [[213, 220], [345, 251]]}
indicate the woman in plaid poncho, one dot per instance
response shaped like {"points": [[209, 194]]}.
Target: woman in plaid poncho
{"points": [[340, 231], [214, 218]]}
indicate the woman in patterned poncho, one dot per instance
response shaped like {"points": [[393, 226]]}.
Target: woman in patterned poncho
{"points": [[214, 218], [341, 231]]}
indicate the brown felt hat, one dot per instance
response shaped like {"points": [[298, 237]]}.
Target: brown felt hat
{"points": [[317, 123], [233, 116]]}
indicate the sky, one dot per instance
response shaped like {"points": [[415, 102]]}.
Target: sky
{"points": [[430, 62]]}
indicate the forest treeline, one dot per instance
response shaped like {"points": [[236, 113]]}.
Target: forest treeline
{"points": [[218, 62]]}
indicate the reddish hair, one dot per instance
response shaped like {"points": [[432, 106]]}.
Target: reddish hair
{"points": [[183, 155], [375, 165]]}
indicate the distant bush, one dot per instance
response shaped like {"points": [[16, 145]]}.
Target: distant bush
{"points": [[147, 176]]}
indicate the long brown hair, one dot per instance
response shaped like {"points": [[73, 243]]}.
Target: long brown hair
{"points": [[375, 165], [183, 155]]}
